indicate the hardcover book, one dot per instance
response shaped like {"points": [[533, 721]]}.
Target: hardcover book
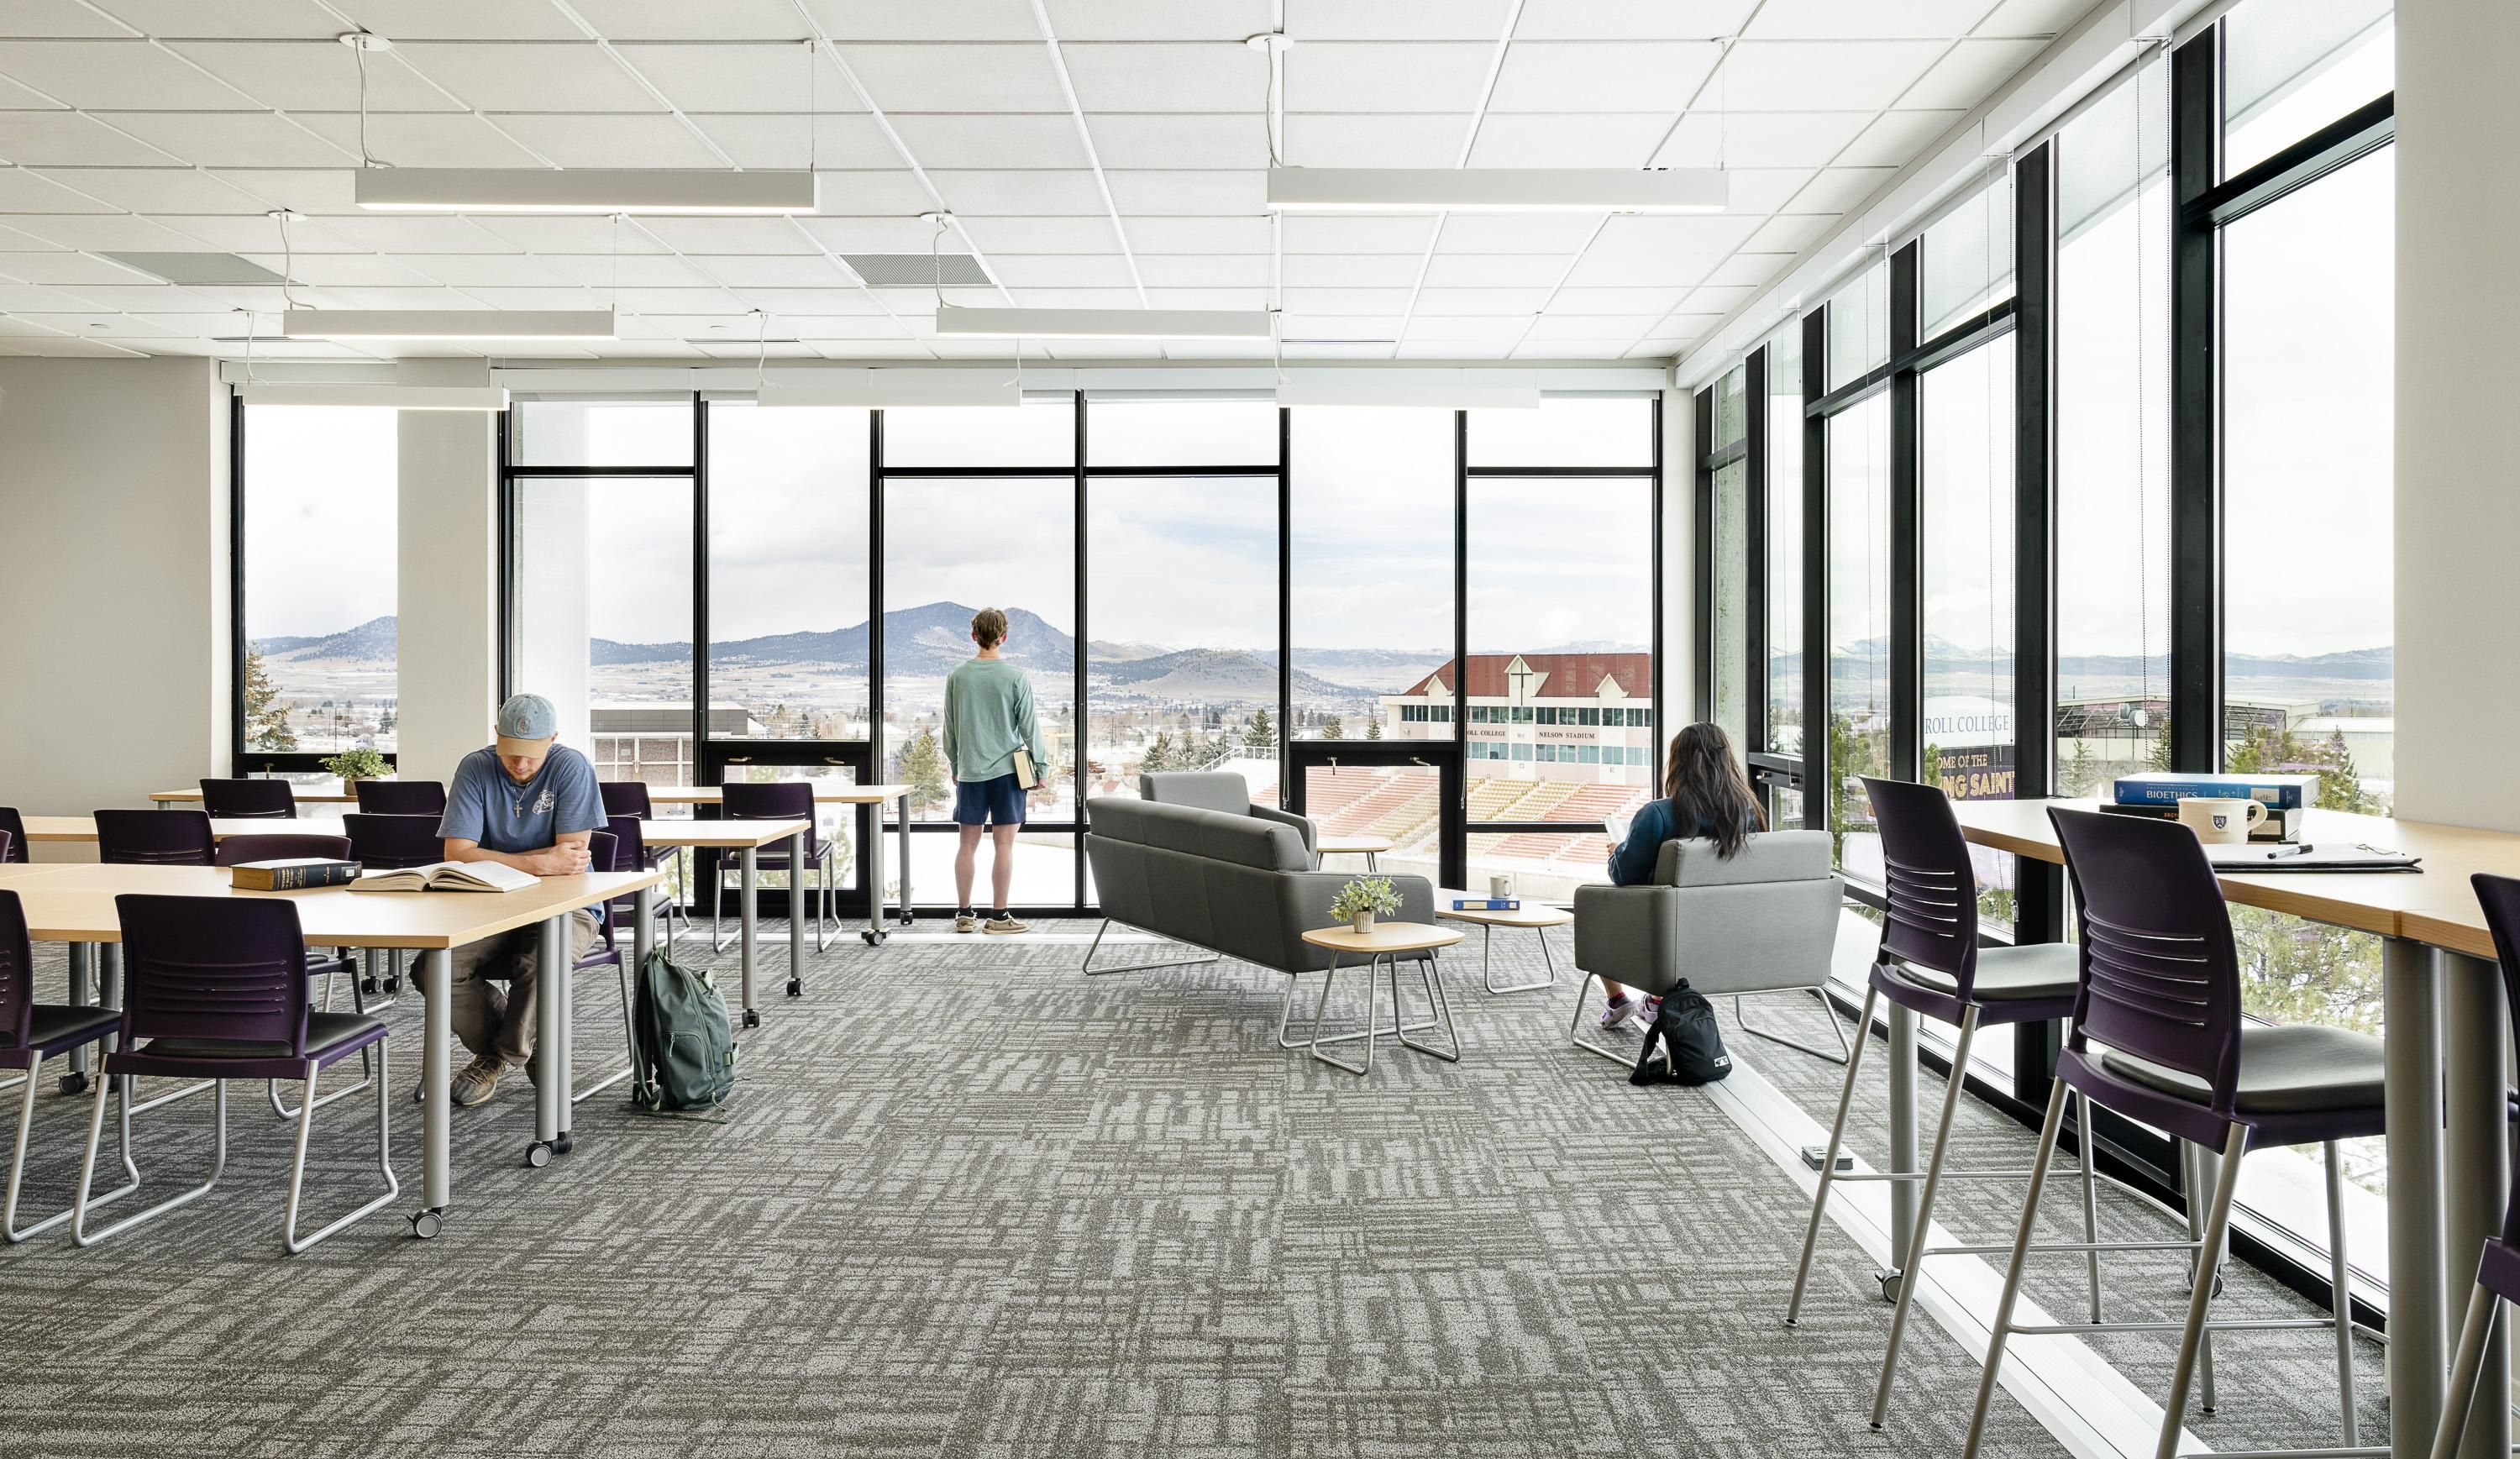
{"points": [[293, 875], [2169, 787]]}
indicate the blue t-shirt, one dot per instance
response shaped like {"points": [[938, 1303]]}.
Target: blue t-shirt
{"points": [[485, 807], [1632, 862]]}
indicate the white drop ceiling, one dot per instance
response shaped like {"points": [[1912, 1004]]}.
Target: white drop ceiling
{"points": [[1096, 153]]}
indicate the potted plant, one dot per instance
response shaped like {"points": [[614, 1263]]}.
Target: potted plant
{"points": [[1362, 899], [354, 766]]}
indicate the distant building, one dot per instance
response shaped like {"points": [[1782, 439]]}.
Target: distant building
{"points": [[651, 741], [1583, 717]]}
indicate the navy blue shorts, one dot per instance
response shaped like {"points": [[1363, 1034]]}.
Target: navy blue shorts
{"points": [[998, 802]]}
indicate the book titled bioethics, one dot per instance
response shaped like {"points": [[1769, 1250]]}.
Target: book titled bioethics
{"points": [[2167, 787], [292, 875]]}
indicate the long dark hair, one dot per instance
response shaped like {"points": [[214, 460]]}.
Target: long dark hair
{"points": [[1708, 790]]}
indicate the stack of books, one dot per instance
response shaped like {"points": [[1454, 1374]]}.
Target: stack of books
{"points": [[2157, 794]]}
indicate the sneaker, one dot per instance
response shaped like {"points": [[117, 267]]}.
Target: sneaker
{"points": [[1653, 1011], [1001, 922], [476, 1082], [1619, 1013], [966, 922]]}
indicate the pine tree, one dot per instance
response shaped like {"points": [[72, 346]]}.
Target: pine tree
{"points": [[1332, 729], [266, 719], [1260, 738], [1373, 729], [2165, 755], [922, 765], [1159, 755], [2081, 776]]}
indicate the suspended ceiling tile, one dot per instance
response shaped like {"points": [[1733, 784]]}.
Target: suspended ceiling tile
{"points": [[980, 78], [1004, 194], [1179, 140], [1609, 139], [1897, 138], [572, 140], [158, 189], [1240, 191], [115, 75], [1350, 270], [1630, 19], [461, 19], [36, 138], [1517, 232], [681, 20], [1972, 72], [1323, 233], [785, 77], [1159, 19], [1203, 270], [769, 139], [962, 19], [1031, 235], [1866, 20], [1168, 234], [1320, 139], [1369, 77], [732, 234], [1804, 76], [424, 140], [1495, 269], [1395, 19], [234, 139], [1517, 303], [1760, 139], [1210, 76], [992, 140], [576, 77], [312, 76], [1583, 75]]}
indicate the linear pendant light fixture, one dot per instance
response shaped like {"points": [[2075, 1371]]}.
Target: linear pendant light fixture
{"points": [[956, 322], [386, 396], [1497, 189], [448, 324], [584, 190]]}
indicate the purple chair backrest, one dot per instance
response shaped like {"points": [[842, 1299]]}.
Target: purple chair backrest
{"points": [[629, 844], [17, 974], [2499, 896], [387, 843], [1929, 886], [772, 800], [230, 969], [625, 798], [402, 797], [155, 838], [250, 799], [236, 850], [15, 826], [2160, 979]]}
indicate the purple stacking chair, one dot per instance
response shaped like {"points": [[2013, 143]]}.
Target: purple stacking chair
{"points": [[617, 849], [390, 843], [155, 838], [1932, 964], [402, 797], [248, 800], [2158, 1036], [776, 799], [236, 851], [216, 989], [2497, 1269], [14, 827], [29, 1034], [631, 798]]}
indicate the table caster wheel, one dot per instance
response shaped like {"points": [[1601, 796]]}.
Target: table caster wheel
{"points": [[1889, 1281], [565, 1143], [74, 1083], [370, 986], [796, 988], [874, 937], [752, 1019], [393, 984], [425, 1225], [538, 1154]]}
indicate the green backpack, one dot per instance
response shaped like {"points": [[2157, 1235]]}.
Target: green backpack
{"points": [[686, 1045]]}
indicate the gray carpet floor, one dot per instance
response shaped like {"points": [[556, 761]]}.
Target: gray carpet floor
{"points": [[968, 1201]]}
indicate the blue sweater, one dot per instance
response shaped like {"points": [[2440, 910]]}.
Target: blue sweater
{"points": [[1632, 862]]}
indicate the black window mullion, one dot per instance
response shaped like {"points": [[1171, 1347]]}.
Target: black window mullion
{"points": [[1754, 552], [1703, 500], [701, 759], [238, 647], [2195, 486], [1285, 601], [1907, 596], [1080, 707], [1818, 770], [1453, 826]]}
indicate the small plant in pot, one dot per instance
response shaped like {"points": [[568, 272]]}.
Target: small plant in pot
{"points": [[1362, 899], [354, 766]]}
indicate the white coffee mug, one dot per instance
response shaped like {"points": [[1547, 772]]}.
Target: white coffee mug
{"points": [[1501, 884], [2219, 822]]}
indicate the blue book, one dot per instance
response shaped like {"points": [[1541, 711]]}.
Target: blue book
{"points": [[2169, 787], [1487, 903]]}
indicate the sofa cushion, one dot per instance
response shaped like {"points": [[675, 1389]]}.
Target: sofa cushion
{"points": [[1767, 856], [1199, 789]]}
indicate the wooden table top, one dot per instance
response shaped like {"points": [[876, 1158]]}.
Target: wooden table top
{"points": [[2435, 905], [1336, 845], [825, 793], [83, 827], [74, 904], [1530, 915], [720, 834], [1387, 936]]}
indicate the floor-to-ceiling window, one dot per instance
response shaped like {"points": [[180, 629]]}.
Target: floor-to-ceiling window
{"points": [[1727, 557], [1782, 673], [1858, 626], [318, 578]]}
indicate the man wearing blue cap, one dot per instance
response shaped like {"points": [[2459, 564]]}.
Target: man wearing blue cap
{"points": [[527, 803]]}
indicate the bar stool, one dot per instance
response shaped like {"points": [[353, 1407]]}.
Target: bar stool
{"points": [[2497, 1269], [2158, 1036], [1931, 963]]}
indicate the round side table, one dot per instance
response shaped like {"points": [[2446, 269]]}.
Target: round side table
{"points": [[1536, 918], [1383, 948]]}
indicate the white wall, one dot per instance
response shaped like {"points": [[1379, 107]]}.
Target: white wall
{"points": [[447, 654], [115, 505], [2457, 428]]}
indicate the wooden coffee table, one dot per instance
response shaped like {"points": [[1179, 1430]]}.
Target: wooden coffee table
{"points": [[1383, 948], [1369, 847], [1532, 916]]}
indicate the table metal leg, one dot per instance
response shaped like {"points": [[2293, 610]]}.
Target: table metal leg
{"points": [[1329, 980], [437, 1031], [904, 833], [82, 961], [562, 1106], [550, 1050], [643, 942], [747, 891], [2418, 1328], [109, 983], [1903, 1139], [1487, 978], [872, 830], [796, 915], [2476, 1171]]}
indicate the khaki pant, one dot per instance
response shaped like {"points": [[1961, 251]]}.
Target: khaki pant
{"points": [[501, 1025]]}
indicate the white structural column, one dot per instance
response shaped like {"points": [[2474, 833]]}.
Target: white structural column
{"points": [[447, 629], [1680, 647], [2457, 410]]}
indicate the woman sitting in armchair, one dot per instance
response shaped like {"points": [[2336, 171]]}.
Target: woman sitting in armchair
{"points": [[1705, 796]]}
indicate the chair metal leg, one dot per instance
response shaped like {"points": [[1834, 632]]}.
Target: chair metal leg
{"points": [[1090, 970], [1743, 1017], [2194, 1158], [2484, 1310], [621, 977], [2218, 1222], [2340, 1296], [2086, 1152], [289, 1237], [368, 1073], [18, 1166], [1575, 1031], [80, 1235], [1995, 1342], [1829, 1163], [1912, 1268]]}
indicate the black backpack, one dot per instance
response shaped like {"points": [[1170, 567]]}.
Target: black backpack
{"points": [[686, 1044], [1686, 1027]]}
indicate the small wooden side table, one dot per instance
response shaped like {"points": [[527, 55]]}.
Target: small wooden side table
{"points": [[1382, 948], [1531, 915], [1368, 847]]}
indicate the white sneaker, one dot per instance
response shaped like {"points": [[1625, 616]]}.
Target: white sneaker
{"points": [[966, 922], [1002, 923]]}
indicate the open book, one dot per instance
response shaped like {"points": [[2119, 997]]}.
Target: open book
{"points": [[448, 877]]}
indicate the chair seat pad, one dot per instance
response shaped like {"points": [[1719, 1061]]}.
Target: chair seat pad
{"points": [[325, 1032], [60, 1026], [2287, 1069], [2028, 973]]}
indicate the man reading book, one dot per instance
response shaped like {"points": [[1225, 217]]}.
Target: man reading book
{"points": [[530, 804]]}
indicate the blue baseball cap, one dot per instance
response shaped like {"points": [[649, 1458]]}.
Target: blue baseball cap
{"points": [[527, 725]]}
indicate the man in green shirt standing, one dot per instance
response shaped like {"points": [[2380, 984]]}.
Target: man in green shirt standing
{"points": [[992, 740]]}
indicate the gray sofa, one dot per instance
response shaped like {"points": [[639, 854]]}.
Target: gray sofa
{"points": [[1227, 791], [1236, 885], [1763, 921]]}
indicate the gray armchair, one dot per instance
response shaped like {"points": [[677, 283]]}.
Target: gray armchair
{"points": [[1763, 921], [1227, 791]]}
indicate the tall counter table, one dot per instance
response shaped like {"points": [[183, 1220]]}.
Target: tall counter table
{"points": [[74, 904], [2446, 1027]]}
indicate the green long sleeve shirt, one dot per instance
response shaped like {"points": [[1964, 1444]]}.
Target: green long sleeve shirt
{"points": [[988, 716]]}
